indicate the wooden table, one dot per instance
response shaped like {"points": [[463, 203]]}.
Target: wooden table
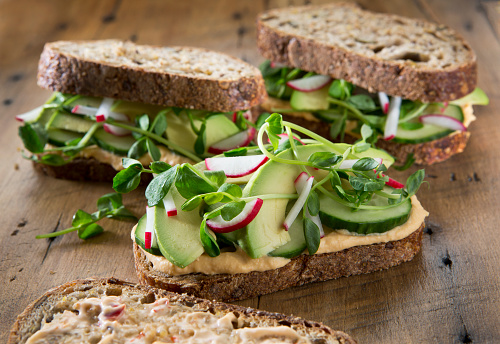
{"points": [[449, 293]]}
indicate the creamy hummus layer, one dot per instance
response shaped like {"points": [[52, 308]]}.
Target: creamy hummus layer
{"points": [[240, 262]]}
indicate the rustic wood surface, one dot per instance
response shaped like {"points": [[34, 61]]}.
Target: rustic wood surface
{"points": [[450, 293]]}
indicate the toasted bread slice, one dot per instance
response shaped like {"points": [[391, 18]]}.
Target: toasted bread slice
{"points": [[91, 302], [184, 77], [300, 270], [405, 57]]}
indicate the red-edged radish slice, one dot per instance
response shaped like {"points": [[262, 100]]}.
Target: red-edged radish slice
{"points": [[443, 121], [277, 65], [105, 109], [168, 203], [150, 230], [84, 110], [251, 209], [348, 163], [247, 114], [394, 184], [113, 129], [445, 106], [30, 116], [241, 139], [313, 83], [284, 136], [391, 124], [384, 102], [236, 166], [100, 118], [299, 203], [300, 183]]}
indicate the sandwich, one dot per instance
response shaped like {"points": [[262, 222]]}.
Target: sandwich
{"points": [[110, 310], [291, 210], [333, 68], [114, 99]]}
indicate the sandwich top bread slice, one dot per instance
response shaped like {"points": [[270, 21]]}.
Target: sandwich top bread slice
{"points": [[338, 64], [281, 214], [110, 310], [115, 98]]}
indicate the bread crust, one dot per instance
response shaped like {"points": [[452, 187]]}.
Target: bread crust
{"points": [[68, 73], [395, 77], [29, 320], [300, 270]]}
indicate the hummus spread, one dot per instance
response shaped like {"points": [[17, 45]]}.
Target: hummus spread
{"points": [[334, 241]]}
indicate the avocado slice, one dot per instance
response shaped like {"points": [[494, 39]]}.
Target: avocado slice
{"points": [[476, 97]]}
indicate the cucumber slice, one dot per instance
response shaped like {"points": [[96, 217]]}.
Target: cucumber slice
{"points": [[62, 120], [59, 137], [297, 243], [140, 231], [115, 144], [316, 100], [476, 97], [363, 221], [429, 132]]}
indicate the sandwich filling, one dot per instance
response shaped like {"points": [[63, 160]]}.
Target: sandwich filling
{"points": [[124, 318]]}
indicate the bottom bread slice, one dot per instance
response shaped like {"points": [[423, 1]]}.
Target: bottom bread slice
{"points": [[114, 310], [300, 270]]}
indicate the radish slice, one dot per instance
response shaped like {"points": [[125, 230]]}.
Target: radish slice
{"points": [[391, 124], [300, 183], [105, 109], [84, 110], [241, 139], [394, 183], [113, 129], [168, 202], [299, 203], [250, 211], [30, 116], [445, 106], [347, 164], [277, 65], [149, 235], [443, 121], [246, 114], [284, 137], [236, 166], [384, 102], [310, 84]]}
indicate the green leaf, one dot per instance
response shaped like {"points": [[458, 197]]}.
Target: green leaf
{"points": [[275, 128], [52, 159], [324, 159], [362, 102], [340, 89], [285, 144], [190, 183], [313, 203], [262, 119], [138, 149], [338, 127], [127, 162], [213, 198], [411, 125], [159, 125], [361, 147], [365, 164], [34, 137], [366, 132], [365, 184], [159, 167], [122, 213], [81, 218], [312, 235], [128, 179], [90, 231], [208, 240], [192, 204], [335, 179], [199, 144], [143, 122], [153, 151], [110, 202], [216, 177], [232, 189], [231, 210], [414, 181], [237, 152], [160, 185]]}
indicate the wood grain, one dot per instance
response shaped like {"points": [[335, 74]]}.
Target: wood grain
{"points": [[448, 294]]}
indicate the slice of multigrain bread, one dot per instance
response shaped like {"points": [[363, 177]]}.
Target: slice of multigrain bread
{"points": [[414, 59], [300, 270], [184, 77], [97, 309]]}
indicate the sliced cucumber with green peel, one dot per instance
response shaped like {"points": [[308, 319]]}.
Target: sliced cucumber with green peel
{"points": [[363, 221], [315, 100], [476, 97], [115, 144], [140, 235], [429, 132], [59, 137], [62, 120], [297, 243]]}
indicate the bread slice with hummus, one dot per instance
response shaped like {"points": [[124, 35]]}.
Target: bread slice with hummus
{"points": [[110, 310], [335, 66], [104, 88], [326, 211]]}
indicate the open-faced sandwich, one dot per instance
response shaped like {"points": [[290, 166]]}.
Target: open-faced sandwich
{"points": [[113, 311], [114, 99], [264, 218], [335, 67]]}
